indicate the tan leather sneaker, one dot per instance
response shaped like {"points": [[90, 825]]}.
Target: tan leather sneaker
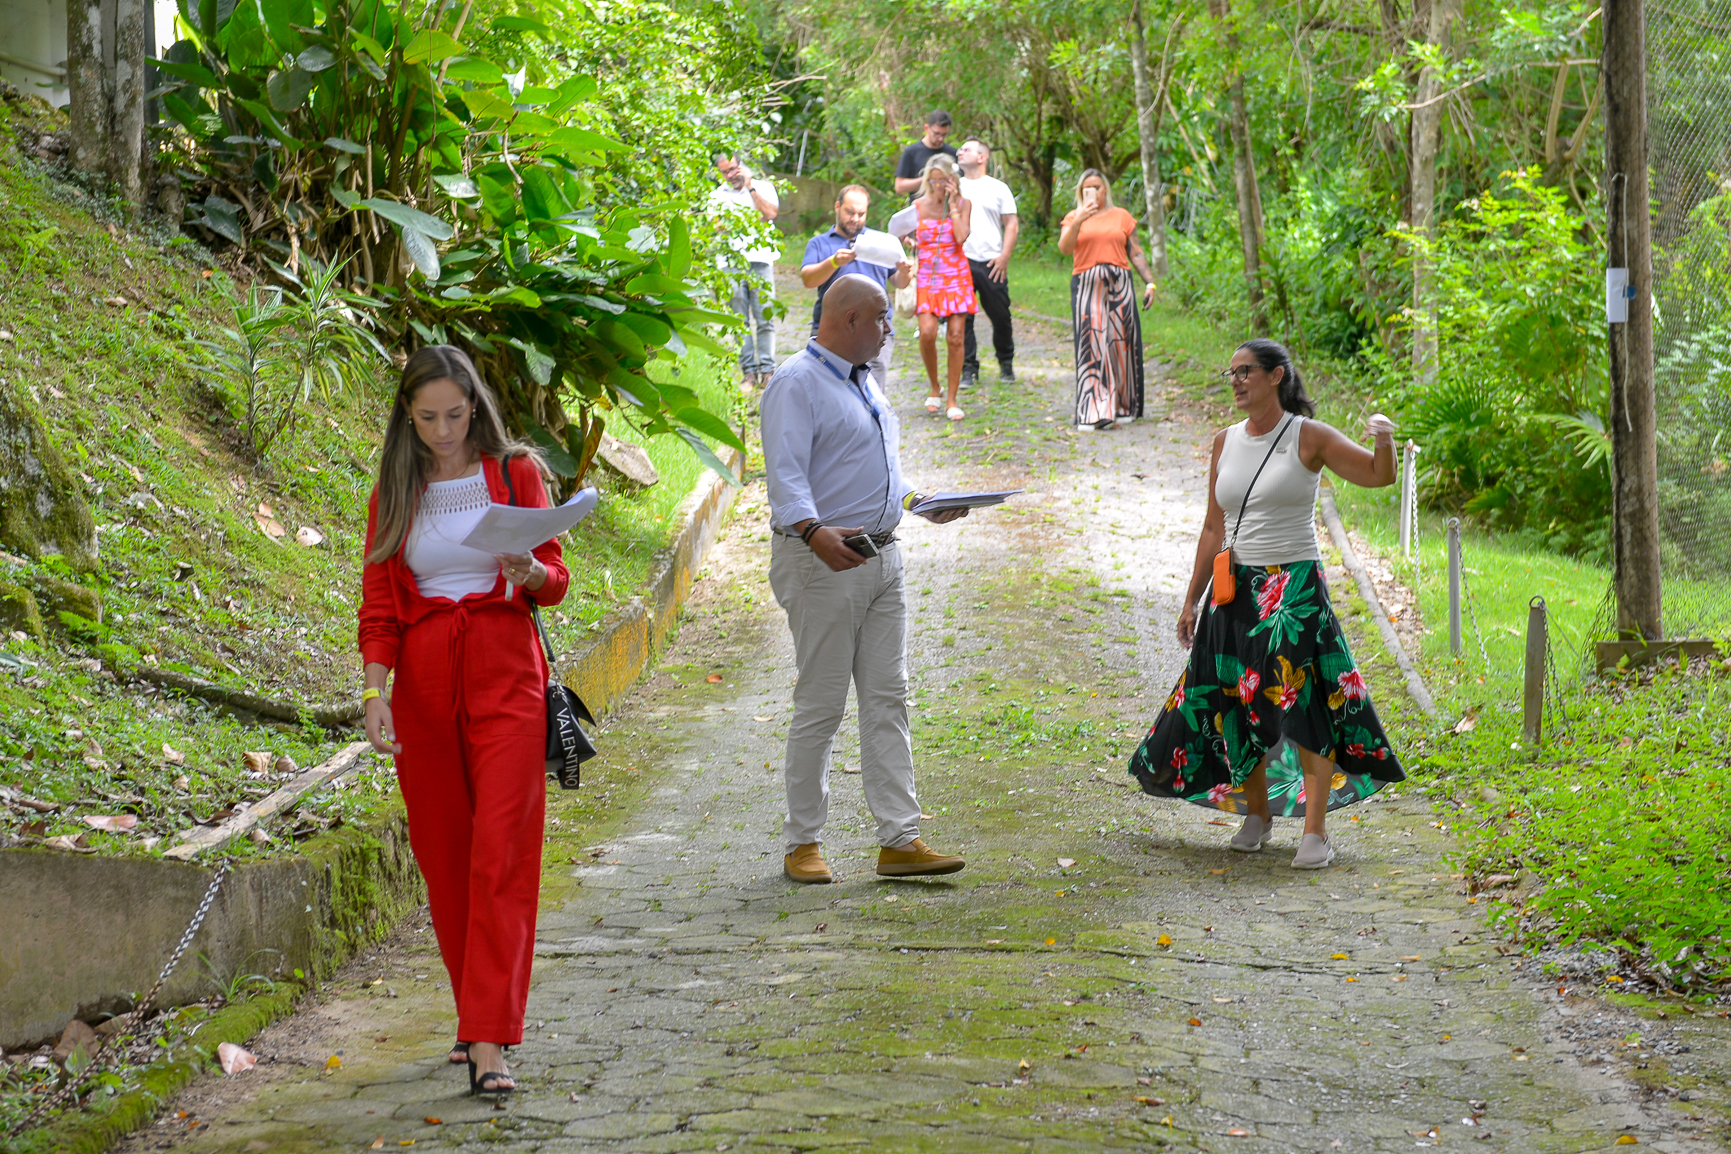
{"points": [[916, 859], [806, 865]]}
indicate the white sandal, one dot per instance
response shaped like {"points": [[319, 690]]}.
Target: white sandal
{"points": [[932, 404], [955, 414]]}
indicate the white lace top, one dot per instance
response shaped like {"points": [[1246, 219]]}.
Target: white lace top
{"points": [[449, 510]]}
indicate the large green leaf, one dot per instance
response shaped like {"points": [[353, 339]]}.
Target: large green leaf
{"points": [[288, 90], [195, 73], [709, 425], [708, 457], [317, 58], [652, 330], [282, 17], [411, 218], [457, 185], [558, 458], [431, 46], [485, 105], [678, 254], [499, 199], [420, 250], [342, 145], [541, 198], [582, 138], [476, 69], [520, 24]]}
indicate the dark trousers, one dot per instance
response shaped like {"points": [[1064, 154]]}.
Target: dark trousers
{"points": [[994, 300]]}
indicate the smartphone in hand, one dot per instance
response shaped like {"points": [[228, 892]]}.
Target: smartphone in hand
{"points": [[862, 544]]}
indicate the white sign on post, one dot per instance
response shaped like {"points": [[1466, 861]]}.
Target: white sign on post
{"points": [[1616, 296]]}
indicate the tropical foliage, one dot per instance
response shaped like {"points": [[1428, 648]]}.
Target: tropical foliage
{"points": [[485, 198]]}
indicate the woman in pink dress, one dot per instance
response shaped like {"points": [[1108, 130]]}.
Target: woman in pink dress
{"points": [[946, 285]]}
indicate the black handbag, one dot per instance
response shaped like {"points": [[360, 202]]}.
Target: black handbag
{"points": [[568, 747]]}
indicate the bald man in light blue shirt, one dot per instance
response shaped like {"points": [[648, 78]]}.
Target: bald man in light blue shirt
{"points": [[831, 446]]}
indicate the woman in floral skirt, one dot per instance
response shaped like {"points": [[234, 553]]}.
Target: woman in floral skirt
{"points": [[1271, 714]]}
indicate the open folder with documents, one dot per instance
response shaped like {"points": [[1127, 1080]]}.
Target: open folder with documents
{"points": [[938, 502], [518, 529]]}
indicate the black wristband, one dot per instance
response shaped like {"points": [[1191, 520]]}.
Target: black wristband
{"points": [[805, 534]]}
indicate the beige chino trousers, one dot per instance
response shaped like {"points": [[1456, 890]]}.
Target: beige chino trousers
{"points": [[848, 627]]}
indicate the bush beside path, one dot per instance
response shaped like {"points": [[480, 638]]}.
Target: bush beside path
{"points": [[1104, 975]]}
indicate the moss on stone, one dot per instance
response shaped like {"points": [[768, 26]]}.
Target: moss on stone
{"points": [[42, 509], [19, 611], [56, 595]]}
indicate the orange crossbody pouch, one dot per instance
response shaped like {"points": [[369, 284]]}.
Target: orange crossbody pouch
{"points": [[1225, 584]]}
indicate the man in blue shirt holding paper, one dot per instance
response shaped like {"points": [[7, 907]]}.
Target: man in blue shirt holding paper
{"points": [[829, 256], [831, 448]]}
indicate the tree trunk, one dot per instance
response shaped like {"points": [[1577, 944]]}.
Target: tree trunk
{"points": [[1148, 109], [1635, 570], [1426, 140], [1244, 177], [88, 110], [106, 46]]}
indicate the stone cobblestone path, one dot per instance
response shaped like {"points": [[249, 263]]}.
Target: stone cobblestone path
{"points": [[1103, 976]]}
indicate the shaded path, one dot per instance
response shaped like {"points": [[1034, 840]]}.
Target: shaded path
{"points": [[1156, 991]]}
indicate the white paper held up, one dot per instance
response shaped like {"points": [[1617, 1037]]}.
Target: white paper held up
{"points": [[879, 248], [905, 223], [516, 529], [938, 502]]}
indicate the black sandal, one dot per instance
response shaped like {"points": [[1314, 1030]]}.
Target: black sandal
{"points": [[488, 1083], [459, 1054]]}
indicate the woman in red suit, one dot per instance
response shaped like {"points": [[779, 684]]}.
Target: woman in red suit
{"points": [[467, 714]]}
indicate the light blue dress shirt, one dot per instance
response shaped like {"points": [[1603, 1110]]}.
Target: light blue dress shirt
{"points": [[831, 444]]}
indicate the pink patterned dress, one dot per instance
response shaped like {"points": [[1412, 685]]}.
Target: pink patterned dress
{"points": [[946, 284]]}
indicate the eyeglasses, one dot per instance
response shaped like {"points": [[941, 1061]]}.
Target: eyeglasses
{"points": [[1239, 374]]}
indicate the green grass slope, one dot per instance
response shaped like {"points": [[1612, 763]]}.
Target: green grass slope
{"points": [[98, 320]]}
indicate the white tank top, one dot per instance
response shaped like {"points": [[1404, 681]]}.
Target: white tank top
{"points": [[442, 565], [1280, 520]]}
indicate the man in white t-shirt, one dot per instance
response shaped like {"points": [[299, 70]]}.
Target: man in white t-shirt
{"points": [[741, 193], [988, 248]]}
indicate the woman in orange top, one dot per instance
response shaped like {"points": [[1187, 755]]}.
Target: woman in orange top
{"points": [[1108, 333]]}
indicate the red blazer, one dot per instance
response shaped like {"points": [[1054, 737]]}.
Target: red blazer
{"points": [[391, 601]]}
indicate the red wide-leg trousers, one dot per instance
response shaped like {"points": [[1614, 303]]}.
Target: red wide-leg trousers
{"points": [[470, 707]]}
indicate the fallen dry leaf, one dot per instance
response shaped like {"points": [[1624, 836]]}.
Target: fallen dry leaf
{"points": [[1163, 941], [68, 843], [1024, 1065], [1218, 872], [309, 536], [258, 760], [173, 756], [1144, 1100], [333, 1063], [713, 679], [269, 525], [1195, 1021], [111, 823], [234, 1059], [1065, 863], [182, 782], [1627, 1140], [1051, 941], [284, 764], [1237, 1133], [1337, 957], [1411, 958], [763, 719], [1223, 1001], [432, 1121], [1466, 723], [378, 1143]]}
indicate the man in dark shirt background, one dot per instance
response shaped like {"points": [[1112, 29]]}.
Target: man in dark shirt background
{"points": [[915, 155]]}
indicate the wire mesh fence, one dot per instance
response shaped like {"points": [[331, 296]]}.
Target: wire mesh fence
{"points": [[1689, 150]]}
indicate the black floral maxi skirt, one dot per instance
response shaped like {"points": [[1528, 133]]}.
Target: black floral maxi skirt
{"points": [[1269, 673]]}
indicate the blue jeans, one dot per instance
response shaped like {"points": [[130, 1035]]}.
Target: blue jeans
{"points": [[757, 349]]}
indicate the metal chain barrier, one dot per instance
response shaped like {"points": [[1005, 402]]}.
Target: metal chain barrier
{"points": [[105, 1051], [1467, 596]]}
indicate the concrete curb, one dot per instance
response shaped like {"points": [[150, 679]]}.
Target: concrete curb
{"points": [[605, 668], [83, 931]]}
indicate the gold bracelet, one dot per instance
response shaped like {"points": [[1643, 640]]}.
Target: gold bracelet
{"points": [[369, 693]]}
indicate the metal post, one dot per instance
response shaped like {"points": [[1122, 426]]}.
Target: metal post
{"points": [[1628, 234], [1533, 693], [803, 138], [1455, 586], [1408, 498]]}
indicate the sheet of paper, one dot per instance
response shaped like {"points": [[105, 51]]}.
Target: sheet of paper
{"points": [[905, 222], [938, 502], [879, 248], [515, 529]]}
